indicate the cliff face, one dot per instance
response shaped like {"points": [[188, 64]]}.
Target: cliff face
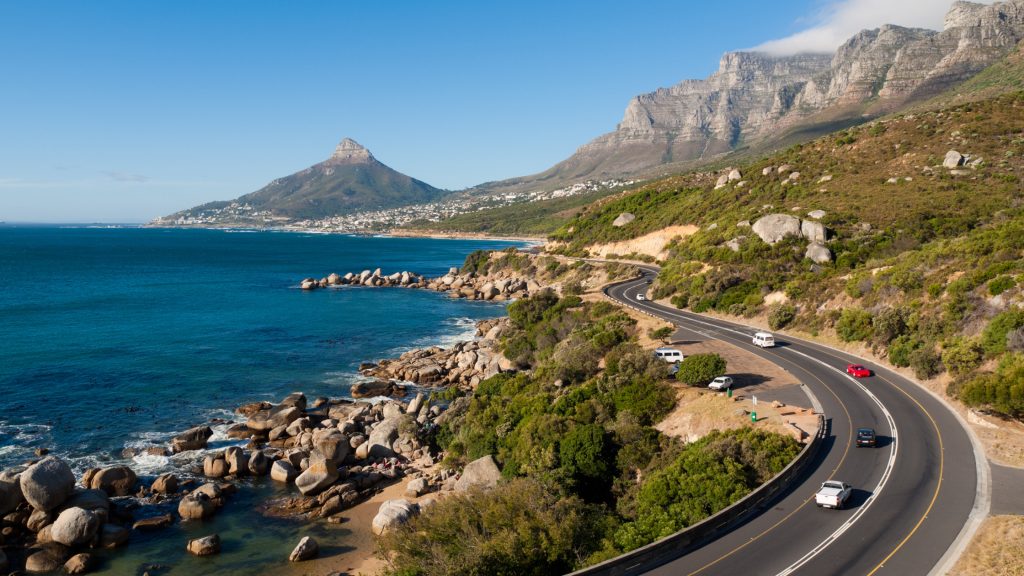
{"points": [[755, 97]]}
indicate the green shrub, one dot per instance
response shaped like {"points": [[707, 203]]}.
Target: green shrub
{"points": [[647, 400], [906, 280], [935, 290], [925, 362], [581, 452], [1002, 390], [520, 527], [962, 356], [853, 288], [704, 306], [780, 316], [993, 339], [890, 323], [854, 325], [701, 369], [525, 313], [900, 350], [711, 474], [1000, 285]]}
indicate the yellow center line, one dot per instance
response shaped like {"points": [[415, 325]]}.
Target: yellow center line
{"points": [[847, 451]]}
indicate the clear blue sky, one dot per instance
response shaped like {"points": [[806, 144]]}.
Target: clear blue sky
{"points": [[124, 111]]}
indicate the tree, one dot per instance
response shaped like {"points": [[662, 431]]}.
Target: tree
{"points": [[581, 450], [1003, 390], [701, 369], [962, 356], [662, 334]]}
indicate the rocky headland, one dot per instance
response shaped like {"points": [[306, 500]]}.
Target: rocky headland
{"points": [[498, 287]]}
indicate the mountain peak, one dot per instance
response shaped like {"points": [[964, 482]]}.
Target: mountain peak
{"points": [[350, 152]]}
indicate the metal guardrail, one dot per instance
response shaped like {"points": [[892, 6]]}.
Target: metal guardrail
{"points": [[671, 547], [679, 544]]}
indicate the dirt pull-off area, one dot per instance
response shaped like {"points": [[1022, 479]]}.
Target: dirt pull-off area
{"points": [[698, 412]]}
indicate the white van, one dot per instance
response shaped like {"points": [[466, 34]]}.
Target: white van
{"points": [[669, 355], [764, 340]]}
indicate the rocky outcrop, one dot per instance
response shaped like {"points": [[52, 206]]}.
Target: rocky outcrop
{"points": [[457, 285], [818, 253], [115, 481], [775, 227], [165, 484], [623, 219], [281, 415], [80, 564], [46, 556], [317, 477], [392, 513], [74, 527]]}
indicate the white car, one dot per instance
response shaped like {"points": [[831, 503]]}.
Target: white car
{"points": [[764, 340], [833, 494], [669, 355], [721, 383], [641, 297]]}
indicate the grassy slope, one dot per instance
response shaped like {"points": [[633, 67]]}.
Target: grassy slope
{"points": [[940, 246]]}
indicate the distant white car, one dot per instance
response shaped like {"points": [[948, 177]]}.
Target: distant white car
{"points": [[641, 297], [833, 494], [721, 383], [764, 340]]}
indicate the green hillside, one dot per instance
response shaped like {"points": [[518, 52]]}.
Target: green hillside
{"points": [[926, 261], [1006, 75]]}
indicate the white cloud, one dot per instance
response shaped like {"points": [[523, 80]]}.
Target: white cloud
{"points": [[838, 20], [125, 177]]}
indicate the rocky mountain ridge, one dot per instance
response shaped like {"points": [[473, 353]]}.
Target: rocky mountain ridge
{"points": [[755, 99]]}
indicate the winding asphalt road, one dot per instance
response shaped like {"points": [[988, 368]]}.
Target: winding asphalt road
{"points": [[913, 495]]}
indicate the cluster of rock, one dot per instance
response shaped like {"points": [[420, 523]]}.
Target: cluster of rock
{"points": [[467, 285], [366, 278], [774, 228], [465, 364], [41, 504]]}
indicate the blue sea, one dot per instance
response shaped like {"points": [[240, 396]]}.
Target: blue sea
{"points": [[115, 338]]}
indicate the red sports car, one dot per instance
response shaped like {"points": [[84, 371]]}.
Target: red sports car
{"points": [[858, 371]]}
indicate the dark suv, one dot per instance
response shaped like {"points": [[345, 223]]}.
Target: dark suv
{"points": [[865, 437]]}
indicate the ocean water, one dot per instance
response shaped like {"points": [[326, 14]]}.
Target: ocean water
{"points": [[115, 338]]}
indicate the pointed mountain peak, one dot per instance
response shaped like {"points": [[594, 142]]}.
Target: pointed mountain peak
{"points": [[349, 152]]}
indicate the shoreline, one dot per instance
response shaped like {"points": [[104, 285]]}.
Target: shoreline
{"points": [[537, 240]]}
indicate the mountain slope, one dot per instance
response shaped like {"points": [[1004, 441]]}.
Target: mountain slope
{"points": [[757, 100], [351, 180]]}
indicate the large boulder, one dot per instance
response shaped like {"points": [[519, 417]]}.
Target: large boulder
{"points": [[80, 564], [392, 513], [283, 471], [416, 404], [252, 408], [482, 472], [722, 181], [115, 481], [735, 175], [154, 523], [194, 439], [818, 253], [46, 557], [257, 463], [195, 506], [205, 545], [39, 519], [306, 549], [623, 219], [775, 227], [215, 467], [416, 487], [280, 415], [953, 159], [47, 483], [295, 399], [238, 463], [817, 214], [92, 500], [332, 446], [372, 389], [165, 484], [320, 475], [383, 436], [74, 527], [814, 231], [10, 495]]}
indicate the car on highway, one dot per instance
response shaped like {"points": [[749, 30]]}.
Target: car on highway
{"points": [[641, 297], [866, 437], [833, 494], [721, 383], [858, 371], [649, 281], [764, 340]]}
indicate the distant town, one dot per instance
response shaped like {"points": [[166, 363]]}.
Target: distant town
{"points": [[244, 215]]}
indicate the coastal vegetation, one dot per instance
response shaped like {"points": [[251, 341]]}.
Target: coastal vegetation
{"points": [[922, 220], [585, 475]]}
